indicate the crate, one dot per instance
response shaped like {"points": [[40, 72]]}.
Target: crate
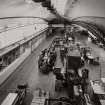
{"points": [[39, 97]]}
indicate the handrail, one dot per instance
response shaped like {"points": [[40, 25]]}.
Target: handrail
{"points": [[24, 17]]}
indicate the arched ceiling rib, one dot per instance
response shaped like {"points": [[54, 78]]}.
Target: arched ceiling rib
{"points": [[93, 28]]}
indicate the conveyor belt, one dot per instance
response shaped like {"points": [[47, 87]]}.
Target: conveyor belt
{"points": [[58, 63]]}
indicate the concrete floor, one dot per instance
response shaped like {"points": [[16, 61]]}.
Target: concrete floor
{"points": [[28, 72]]}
